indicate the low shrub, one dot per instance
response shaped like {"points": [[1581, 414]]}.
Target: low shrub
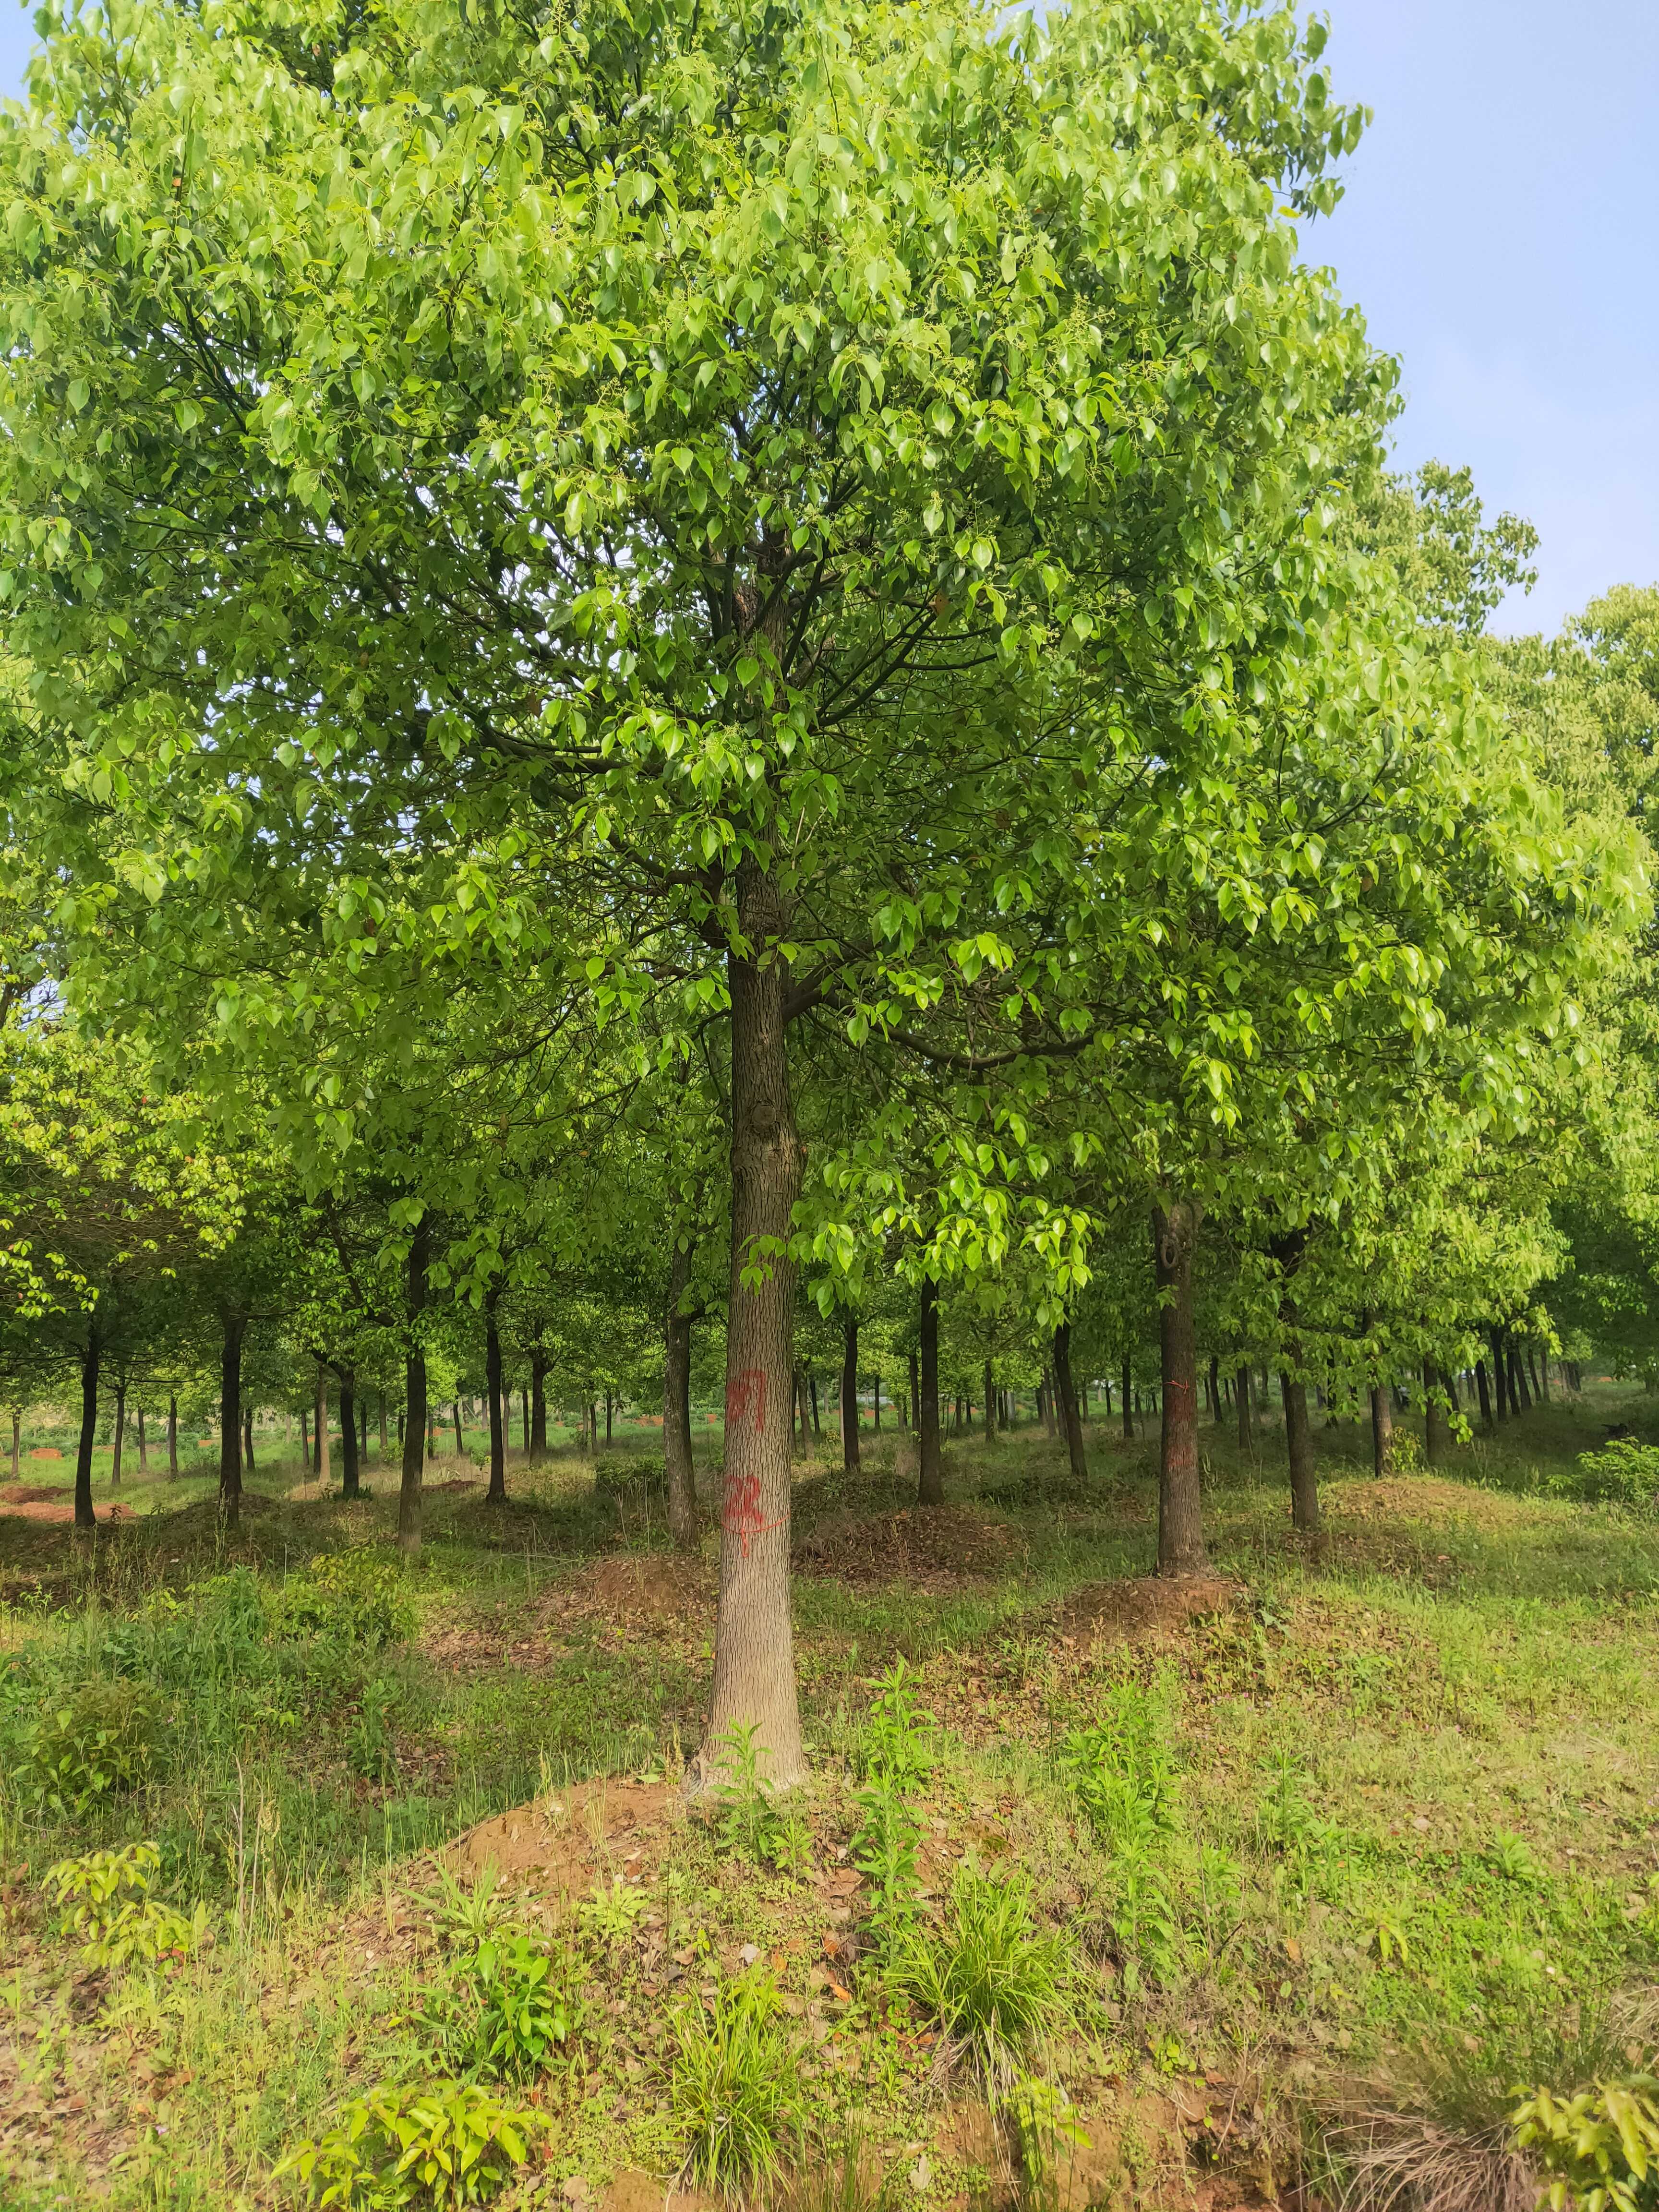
{"points": [[436, 2145], [1623, 1472], [1599, 2149], [104, 1900], [735, 2088], [896, 1755], [752, 1821], [527, 2010], [87, 1743], [347, 1597]]}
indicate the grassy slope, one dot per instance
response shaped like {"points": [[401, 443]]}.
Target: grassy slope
{"points": [[1418, 1802]]}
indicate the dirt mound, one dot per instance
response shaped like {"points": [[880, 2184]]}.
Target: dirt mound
{"points": [[45, 1451], [1144, 1605], [31, 1493], [647, 1586], [926, 1546], [563, 1843], [57, 1505], [1430, 1498]]}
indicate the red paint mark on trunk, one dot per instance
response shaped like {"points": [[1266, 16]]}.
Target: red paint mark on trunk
{"points": [[743, 1392]]}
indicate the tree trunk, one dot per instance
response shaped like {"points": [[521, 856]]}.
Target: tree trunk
{"points": [[120, 1436], [408, 1493], [172, 1436], [460, 1441], [431, 1430], [1179, 1511], [91, 1353], [875, 1408], [1519, 1394], [1128, 1400], [812, 1392], [247, 1440], [362, 1430], [1062, 1355], [1298, 1445], [230, 1421], [914, 1418], [1543, 1378], [325, 1469], [754, 1648], [850, 1394], [1482, 1383], [16, 1441], [1434, 1416], [1500, 1387], [384, 1442], [609, 1406], [1215, 1390], [305, 1440], [496, 1493], [990, 1405], [930, 1460], [1531, 1368], [1382, 1430], [538, 1408], [676, 1405], [350, 1472], [143, 1447], [1241, 1400]]}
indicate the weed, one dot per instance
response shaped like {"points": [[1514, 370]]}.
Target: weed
{"points": [[735, 2088], [897, 1757], [1599, 2148], [613, 1913], [347, 1598], [525, 2015], [848, 2177], [750, 1820], [441, 2145], [370, 1746], [990, 1980], [1623, 1472], [104, 1898], [1121, 1770], [98, 1740], [465, 1918]]}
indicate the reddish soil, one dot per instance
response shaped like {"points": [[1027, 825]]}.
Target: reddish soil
{"points": [[24, 1501], [45, 1451], [926, 1547], [559, 1847], [1145, 1605]]}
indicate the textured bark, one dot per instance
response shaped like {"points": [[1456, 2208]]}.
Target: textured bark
{"points": [[1483, 1384], [351, 1472], [524, 1419], [16, 1440], [930, 1485], [172, 1436], [875, 1405], [753, 1654], [143, 1445], [849, 1395], [1519, 1394], [1543, 1378], [230, 1420], [1068, 1407], [305, 1440], [415, 1409], [1500, 1380], [1217, 1406], [91, 1356], [676, 1406], [247, 1440], [1299, 1445], [1434, 1416], [120, 1436], [324, 1471], [1382, 1430], [915, 1418], [538, 1408], [990, 1405], [386, 1445], [496, 1493], [1179, 1511], [460, 1442], [812, 1392]]}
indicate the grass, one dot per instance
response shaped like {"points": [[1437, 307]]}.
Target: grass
{"points": [[1332, 1866]]}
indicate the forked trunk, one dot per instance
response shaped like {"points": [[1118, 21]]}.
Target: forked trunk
{"points": [[350, 1472], [753, 1689], [930, 1458], [1298, 1446], [91, 1354], [496, 1493], [408, 1493], [230, 1421], [1381, 1429], [1180, 1510], [1068, 1407], [676, 1406], [849, 1395]]}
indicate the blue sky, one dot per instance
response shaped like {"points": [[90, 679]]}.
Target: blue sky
{"points": [[1501, 231]]}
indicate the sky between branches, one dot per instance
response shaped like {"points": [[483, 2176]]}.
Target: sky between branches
{"points": [[1501, 231]]}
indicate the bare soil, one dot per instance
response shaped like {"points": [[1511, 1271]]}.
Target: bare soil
{"points": [[933, 1548]]}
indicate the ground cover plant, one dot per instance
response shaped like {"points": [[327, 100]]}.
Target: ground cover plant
{"points": [[1317, 1880]]}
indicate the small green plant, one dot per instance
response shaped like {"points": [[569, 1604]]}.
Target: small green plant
{"points": [[525, 2014], [614, 1912], [463, 1918], [1122, 1771], [735, 2087], [438, 2145], [104, 1900], [1048, 2131], [752, 1821], [1599, 2150], [98, 1739], [347, 1598], [989, 1978], [1512, 1856], [370, 1746], [897, 1757]]}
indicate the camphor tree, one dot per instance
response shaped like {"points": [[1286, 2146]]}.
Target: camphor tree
{"points": [[690, 478]]}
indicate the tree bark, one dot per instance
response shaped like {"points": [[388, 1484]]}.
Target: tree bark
{"points": [[1482, 1383], [812, 1392], [1500, 1381], [930, 1460], [325, 1468], [16, 1441], [1242, 1400], [676, 1405], [1215, 1390], [350, 1471], [496, 1493], [1298, 1445], [385, 1443], [408, 1493], [990, 1405], [1434, 1417], [850, 1394], [247, 1440], [230, 1420], [1180, 1510], [913, 1421], [120, 1436], [172, 1436], [91, 1356], [1068, 1409], [1382, 1430], [538, 1408], [1128, 1401], [143, 1446], [754, 1646], [460, 1441], [305, 1440], [1519, 1394], [875, 1406]]}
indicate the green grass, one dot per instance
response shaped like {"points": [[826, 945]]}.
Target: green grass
{"points": [[1405, 1799]]}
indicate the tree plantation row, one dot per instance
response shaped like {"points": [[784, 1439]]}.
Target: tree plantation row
{"points": [[698, 697]]}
